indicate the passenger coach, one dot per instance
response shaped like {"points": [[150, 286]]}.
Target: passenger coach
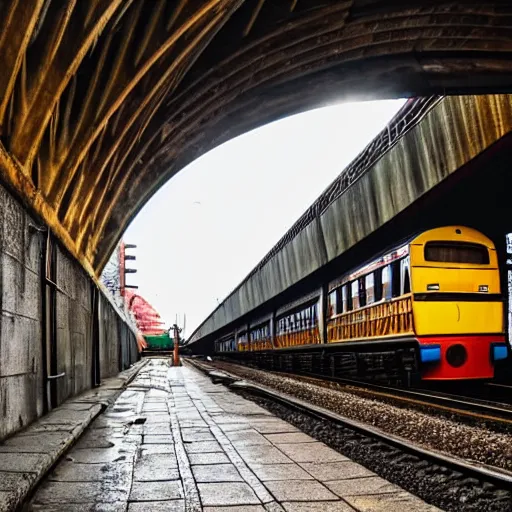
{"points": [[430, 306]]}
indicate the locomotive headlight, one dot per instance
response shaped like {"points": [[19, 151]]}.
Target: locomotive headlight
{"points": [[483, 288], [433, 287]]}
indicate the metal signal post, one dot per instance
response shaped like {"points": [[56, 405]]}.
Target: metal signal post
{"points": [[176, 357]]}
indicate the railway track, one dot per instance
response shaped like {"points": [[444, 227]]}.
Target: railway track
{"points": [[455, 470], [463, 405], [459, 404], [500, 391]]}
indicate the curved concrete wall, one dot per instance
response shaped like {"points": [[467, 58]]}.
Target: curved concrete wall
{"points": [[22, 379]]}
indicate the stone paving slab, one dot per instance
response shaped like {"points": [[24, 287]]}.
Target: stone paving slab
{"points": [[396, 502], [327, 471], [198, 446], [26, 457]]}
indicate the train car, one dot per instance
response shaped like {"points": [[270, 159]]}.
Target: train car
{"points": [[430, 306], [226, 344]]}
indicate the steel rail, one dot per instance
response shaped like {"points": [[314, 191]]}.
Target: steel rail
{"points": [[460, 404]]}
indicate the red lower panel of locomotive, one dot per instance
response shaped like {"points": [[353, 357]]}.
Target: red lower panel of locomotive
{"points": [[460, 357]]}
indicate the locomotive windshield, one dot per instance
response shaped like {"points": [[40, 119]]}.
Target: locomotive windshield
{"points": [[457, 252]]}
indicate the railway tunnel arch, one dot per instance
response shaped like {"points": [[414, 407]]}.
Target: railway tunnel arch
{"points": [[102, 102]]}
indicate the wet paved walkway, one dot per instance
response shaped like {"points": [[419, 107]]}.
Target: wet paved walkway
{"points": [[173, 441]]}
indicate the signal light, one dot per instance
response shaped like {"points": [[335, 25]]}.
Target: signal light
{"points": [[433, 287], [125, 271], [483, 288]]}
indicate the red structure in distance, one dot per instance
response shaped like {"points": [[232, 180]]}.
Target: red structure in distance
{"points": [[147, 318]]}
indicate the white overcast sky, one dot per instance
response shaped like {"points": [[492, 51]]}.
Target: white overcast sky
{"points": [[204, 230]]}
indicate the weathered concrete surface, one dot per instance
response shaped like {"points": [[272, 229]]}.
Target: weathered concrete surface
{"points": [[452, 133], [21, 398], [22, 362], [198, 446], [26, 457]]}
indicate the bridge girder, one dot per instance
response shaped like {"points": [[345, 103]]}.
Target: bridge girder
{"points": [[102, 101]]}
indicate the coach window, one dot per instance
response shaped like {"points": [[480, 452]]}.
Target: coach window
{"points": [[339, 301], [377, 284], [386, 282], [313, 315], [395, 279], [347, 298], [362, 292], [355, 294], [405, 277], [332, 300], [370, 288]]}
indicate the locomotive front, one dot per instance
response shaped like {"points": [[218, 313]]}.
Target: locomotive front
{"points": [[457, 304]]}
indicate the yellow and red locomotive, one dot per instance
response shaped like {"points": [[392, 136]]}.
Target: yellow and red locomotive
{"points": [[437, 292]]}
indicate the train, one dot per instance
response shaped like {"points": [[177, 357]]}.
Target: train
{"points": [[429, 308]]}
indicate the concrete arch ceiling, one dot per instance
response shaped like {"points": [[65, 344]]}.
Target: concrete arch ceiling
{"points": [[102, 101]]}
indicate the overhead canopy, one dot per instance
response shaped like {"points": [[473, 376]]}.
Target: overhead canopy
{"points": [[102, 101]]}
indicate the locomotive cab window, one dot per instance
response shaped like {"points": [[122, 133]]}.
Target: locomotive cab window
{"points": [[457, 252]]}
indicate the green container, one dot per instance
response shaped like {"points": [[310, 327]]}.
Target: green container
{"points": [[159, 342]]}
